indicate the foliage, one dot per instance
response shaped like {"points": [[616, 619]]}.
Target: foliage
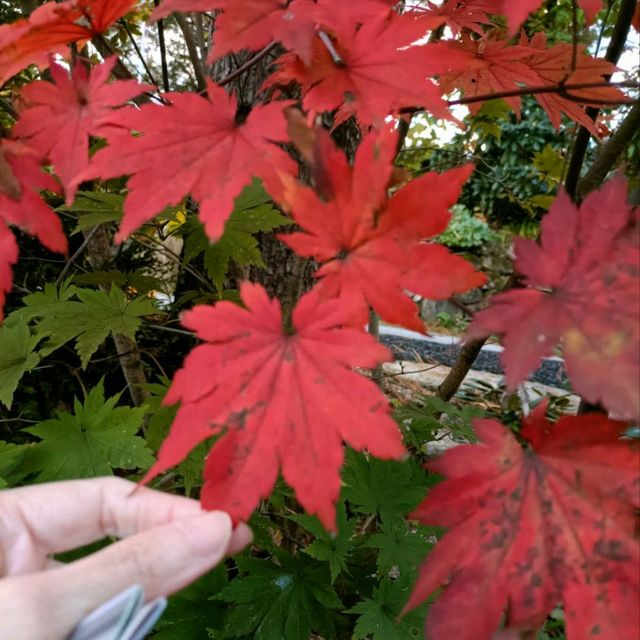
{"points": [[274, 204], [465, 230], [95, 439]]}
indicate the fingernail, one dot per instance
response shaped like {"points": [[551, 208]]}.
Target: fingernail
{"points": [[209, 533]]}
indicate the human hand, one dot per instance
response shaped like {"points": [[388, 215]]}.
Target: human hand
{"points": [[169, 542]]}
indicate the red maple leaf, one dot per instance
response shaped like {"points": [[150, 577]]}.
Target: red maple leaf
{"points": [[51, 27], [503, 67], [282, 398], [21, 181], [197, 145], [368, 244], [554, 521], [517, 11], [553, 65], [583, 288], [367, 68], [465, 14], [499, 67], [57, 118]]}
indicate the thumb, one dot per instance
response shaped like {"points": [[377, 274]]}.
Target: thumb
{"points": [[161, 560]]}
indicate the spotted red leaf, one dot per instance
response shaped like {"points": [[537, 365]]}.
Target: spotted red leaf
{"points": [[554, 521], [367, 68], [57, 118], [51, 27], [583, 287], [518, 10], [283, 398], [368, 243], [196, 146], [21, 181]]}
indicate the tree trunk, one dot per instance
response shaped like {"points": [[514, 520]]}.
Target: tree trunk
{"points": [[286, 275]]}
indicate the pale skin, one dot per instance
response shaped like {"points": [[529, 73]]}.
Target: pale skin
{"points": [[167, 542]]}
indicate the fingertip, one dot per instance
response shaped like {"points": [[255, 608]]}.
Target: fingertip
{"points": [[241, 537], [209, 533]]}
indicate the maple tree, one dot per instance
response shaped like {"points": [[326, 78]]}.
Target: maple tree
{"points": [[279, 213]]}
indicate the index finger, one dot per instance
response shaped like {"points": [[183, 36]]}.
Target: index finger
{"points": [[61, 516]]}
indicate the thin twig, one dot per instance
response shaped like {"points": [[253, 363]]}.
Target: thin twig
{"points": [[139, 53], [561, 89], [173, 256], [160, 327], [81, 249], [248, 64], [163, 51]]}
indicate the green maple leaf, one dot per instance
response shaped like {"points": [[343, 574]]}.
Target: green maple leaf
{"points": [[385, 487], [401, 547], [96, 208], [97, 438], [253, 212], [334, 549], [89, 319], [17, 356], [10, 457], [192, 613], [378, 616], [280, 602]]}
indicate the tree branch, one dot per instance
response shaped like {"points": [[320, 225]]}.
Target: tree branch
{"points": [[192, 47], [614, 51], [560, 89], [248, 64], [610, 153], [467, 356], [163, 51]]}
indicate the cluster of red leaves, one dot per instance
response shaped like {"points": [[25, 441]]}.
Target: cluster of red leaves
{"points": [[555, 521], [502, 67], [53, 26], [582, 288]]}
